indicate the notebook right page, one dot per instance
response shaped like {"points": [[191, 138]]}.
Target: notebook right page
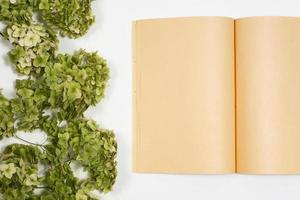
{"points": [[268, 95]]}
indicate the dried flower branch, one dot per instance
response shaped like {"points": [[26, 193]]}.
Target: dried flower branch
{"points": [[58, 88]]}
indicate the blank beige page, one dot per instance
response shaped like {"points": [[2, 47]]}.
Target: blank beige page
{"points": [[268, 95], [183, 95]]}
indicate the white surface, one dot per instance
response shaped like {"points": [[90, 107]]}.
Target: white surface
{"points": [[111, 36]]}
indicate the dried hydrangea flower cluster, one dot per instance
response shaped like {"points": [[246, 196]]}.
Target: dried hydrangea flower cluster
{"points": [[34, 46], [58, 89]]}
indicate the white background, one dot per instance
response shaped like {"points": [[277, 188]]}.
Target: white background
{"points": [[111, 36]]}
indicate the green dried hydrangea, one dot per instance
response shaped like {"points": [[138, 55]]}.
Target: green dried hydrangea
{"points": [[29, 104], [12, 11], [53, 98], [34, 47], [95, 149], [75, 82], [70, 17], [7, 128]]}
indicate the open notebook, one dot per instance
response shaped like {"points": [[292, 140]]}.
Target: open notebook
{"points": [[216, 95]]}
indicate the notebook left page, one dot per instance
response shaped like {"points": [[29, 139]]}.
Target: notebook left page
{"points": [[183, 95]]}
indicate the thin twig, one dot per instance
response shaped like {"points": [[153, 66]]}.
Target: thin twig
{"points": [[1, 34], [42, 187], [40, 145]]}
